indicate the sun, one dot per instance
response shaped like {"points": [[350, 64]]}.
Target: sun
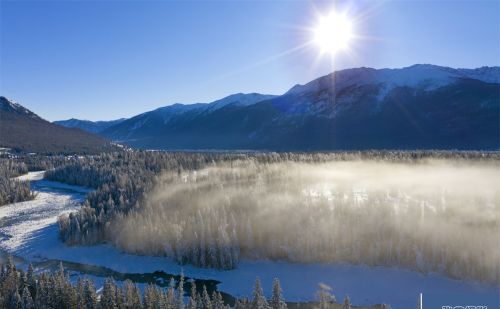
{"points": [[333, 33]]}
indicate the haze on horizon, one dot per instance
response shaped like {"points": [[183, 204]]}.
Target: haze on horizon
{"points": [[107, 60]]}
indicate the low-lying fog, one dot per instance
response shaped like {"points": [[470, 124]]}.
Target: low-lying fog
{"points": [[430, 216]]}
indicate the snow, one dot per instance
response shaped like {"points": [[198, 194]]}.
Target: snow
{"points": [[29, 231], [423, 76], [241, 99], [22, 220]]}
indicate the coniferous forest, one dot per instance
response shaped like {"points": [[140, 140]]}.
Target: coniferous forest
{"points": [[28, 289], [195, 208], [12, 190]]}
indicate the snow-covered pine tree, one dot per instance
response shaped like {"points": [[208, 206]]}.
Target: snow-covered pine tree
{"points": [[132, 295], [150, 297], [277, 300], [259, 300], [26, 299], [347, 303], [207, 302], [180, 293], [89, 294], [325, 297], [108, 297]]}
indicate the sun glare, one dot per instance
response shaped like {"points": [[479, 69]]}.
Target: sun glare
{"points": [[333, 33]]}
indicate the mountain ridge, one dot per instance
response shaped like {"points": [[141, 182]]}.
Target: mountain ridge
{"points": [[352, 111]]}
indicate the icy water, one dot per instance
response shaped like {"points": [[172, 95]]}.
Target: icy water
{"points": [[28, 231]]}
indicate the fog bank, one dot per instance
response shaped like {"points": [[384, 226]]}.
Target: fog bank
{"points": [[437, 215]]}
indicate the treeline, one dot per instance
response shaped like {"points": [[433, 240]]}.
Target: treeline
{"points": [[13, 190], [28, 290]]}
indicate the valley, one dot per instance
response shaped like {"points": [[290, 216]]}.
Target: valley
{"points": [[29, 232]]}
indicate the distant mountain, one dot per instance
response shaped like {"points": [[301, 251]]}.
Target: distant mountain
{"points": [[87, 125], [153, 122], [23, 130], [417, 107]]}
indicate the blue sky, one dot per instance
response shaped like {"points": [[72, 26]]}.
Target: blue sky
{"points": [[105, 60]]}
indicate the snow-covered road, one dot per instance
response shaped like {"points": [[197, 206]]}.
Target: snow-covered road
{"points": [[29, 230]]}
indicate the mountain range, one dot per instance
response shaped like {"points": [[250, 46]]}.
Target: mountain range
{"points": [[23, 130], [87, 125], [418, 107]]}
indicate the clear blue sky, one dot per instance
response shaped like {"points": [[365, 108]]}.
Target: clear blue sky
{"points": [[104, 60]]}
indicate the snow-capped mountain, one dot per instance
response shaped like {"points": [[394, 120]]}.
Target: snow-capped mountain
{"points": [[420, 76], [87, 125], [421, 106], [23, 130], [163, 117]]}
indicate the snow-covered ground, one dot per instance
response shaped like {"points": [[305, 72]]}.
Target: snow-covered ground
{"points": [[29, 230], [21, 221]]}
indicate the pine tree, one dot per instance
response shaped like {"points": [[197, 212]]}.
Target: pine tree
{"points": [[206, 301], [31, 280], [150, 298], [15, 301], [180, 293], [171, 299], [347, 303], [218, 302], [89, 294], [325, 297], [108, 297], [277, 301], [259, 300], [27, 300], [243, 303], [132, 295], [193, 299]]}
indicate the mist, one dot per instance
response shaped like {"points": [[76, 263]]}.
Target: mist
{"points": [[430, 216]]}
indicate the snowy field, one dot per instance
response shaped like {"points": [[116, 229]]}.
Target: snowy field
{"points": [[29, 230]]}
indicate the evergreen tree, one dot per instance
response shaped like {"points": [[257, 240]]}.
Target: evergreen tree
{"points": [[277, 301], [206, 301], [193, 297], [180, 293], [259, 300], [171, 299], [243, 303], [31, 280], [89, 295], [325, 297], [347, 303], [108, 297], [150, 298], [15, 301], [27, 300], [132, 295]]}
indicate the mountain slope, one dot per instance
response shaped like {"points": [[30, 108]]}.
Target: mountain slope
{"points": [[87, 125], [150, 123], [23, 130], [418, 107]]}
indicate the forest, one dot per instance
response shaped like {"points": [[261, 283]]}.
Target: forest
{"points": [[426, 211], [12, 190], [29, 290]]}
